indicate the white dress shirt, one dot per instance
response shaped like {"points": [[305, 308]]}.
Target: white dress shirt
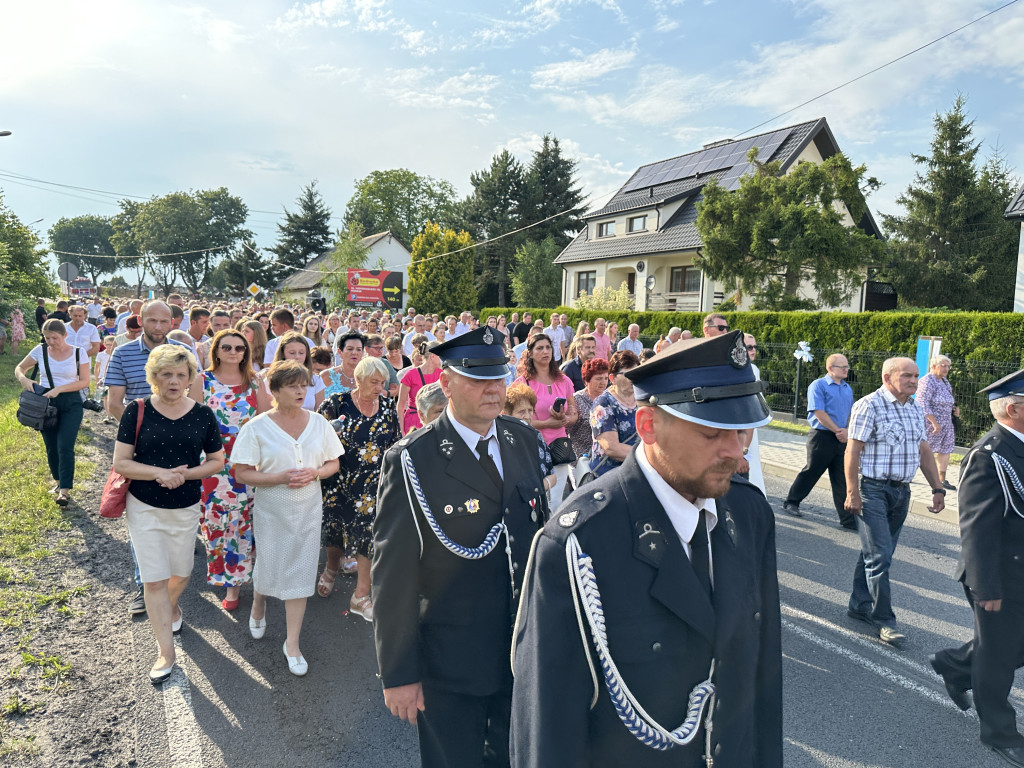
{"points": [[681, 512], [472, 437]]}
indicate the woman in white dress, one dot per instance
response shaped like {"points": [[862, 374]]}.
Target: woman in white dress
{"points": [[285, 453]]}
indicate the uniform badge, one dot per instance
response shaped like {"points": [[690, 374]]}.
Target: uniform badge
{"points": [[447, 446], [472, 506], [448, 509], [567, 519], [488, 336], [650, 543], [738, 357], [509, 437]]}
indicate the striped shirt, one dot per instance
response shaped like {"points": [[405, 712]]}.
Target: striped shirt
{"points": [[127, 368], [892, 435]]}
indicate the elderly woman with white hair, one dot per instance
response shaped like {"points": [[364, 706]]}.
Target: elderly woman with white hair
{"points": [[935, 396], [367, 425], [166, 465], [431, 402]]}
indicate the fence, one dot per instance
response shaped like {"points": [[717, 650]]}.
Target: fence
{"points": [[779, 370]]}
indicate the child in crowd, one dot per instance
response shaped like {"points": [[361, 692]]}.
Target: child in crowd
{"points": [[99, 371]]}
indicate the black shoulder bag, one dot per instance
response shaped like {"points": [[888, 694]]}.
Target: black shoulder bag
{"points": [[38, 411]]}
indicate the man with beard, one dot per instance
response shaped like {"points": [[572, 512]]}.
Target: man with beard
{"points": [[458, 504], [651, 600]]}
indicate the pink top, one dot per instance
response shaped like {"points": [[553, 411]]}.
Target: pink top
{"points": [[415, 380], [546, 397], [603, 343]]}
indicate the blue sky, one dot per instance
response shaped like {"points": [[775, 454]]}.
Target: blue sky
{"points": [[147, 98]]}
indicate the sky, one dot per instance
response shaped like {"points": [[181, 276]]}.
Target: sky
{"points": [[146, 98]]}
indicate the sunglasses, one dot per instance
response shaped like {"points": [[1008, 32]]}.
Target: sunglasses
{"points": [[232, 348], [751, 347], [722, 328]]}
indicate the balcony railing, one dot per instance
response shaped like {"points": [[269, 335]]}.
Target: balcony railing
{"points": [[675, 302]]}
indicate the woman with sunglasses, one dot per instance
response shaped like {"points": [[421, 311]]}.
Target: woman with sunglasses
{"points": [[234, 393]]}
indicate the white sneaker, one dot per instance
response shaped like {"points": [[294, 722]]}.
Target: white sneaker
{"points": [[257, 627]]}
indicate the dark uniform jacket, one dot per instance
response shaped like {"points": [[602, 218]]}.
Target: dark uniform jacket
{"points": [[441, 619], [662, 632], [991, 531]]}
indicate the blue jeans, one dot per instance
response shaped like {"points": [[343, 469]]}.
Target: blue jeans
{"points": [[879, 525], [135, 563]]}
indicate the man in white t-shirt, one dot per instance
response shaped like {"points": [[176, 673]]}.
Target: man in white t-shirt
{"points": [[94, 309], [134, 308], [557, 336], [81, 334], [281, 322], [419, 325]]}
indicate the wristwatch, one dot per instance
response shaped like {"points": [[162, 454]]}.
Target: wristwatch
{"points": [[940, 491]]}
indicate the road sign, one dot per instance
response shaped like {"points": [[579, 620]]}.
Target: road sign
{"points": [[375, 288], [254, 289], [67, 271]]}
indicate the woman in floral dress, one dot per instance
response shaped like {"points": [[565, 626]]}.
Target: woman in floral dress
{"points": [[367, 424], [231, 389]]}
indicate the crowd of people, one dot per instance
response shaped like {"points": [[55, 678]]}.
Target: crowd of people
{"points": [[423, 454]]}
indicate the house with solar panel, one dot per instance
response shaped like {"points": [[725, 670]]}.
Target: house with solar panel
{"points": [[646, 235]]}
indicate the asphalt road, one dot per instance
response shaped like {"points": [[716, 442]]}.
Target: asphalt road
{"points": [[850, 700]]}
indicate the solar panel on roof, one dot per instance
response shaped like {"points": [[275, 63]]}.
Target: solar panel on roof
{"points": [[732, 155]]}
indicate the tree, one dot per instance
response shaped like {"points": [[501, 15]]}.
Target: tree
{"points": [[86, 235], [550, 189], [304, 235], [536, 279], [440, 278], [24, 261], [116, 284], [494, 209], [242, 267], [952, 248], [124, 243], [349, 253], [778, 231], [401, 202], [183, 234]]}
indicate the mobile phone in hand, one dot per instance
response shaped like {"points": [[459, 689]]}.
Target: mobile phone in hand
{"points": [[558, 405]]}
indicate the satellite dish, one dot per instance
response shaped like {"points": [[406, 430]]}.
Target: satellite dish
{"points": [[67, 271]]}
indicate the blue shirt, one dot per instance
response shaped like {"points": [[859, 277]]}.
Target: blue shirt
{"points": [[836, 400], [127, 368]]}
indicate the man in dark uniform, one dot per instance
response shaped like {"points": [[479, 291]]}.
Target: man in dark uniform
{"points": [[458, 504], [991, 568], [649, 628]]}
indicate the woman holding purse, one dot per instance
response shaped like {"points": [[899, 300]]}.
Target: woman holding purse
{"points": [[63, 374], [166, 467]]}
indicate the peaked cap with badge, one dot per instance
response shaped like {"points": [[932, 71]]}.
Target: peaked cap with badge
{"points": [[705, 381], [613, 606], [1006, 386], [478, 354]]}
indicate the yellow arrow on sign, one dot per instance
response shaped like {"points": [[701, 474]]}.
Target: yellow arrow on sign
{"points": [[395, 290]]}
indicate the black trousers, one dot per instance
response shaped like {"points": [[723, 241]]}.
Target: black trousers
{"points": [[457, 730], [824, 452], [986, 665]]}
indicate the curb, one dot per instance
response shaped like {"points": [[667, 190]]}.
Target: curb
{"points": [[950, 514]]}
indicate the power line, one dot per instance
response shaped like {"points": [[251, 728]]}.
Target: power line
{"points": [[876, 69]]}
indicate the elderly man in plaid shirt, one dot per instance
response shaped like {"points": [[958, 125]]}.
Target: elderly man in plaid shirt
{"points": [[886, 446]]}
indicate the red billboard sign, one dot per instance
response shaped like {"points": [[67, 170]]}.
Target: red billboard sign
{"points": [[379, 289]]}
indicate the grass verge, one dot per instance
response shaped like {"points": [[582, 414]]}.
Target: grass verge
{"points": [[28, 519]]}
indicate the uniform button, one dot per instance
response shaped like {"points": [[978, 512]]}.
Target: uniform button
{"points": [[656, 647], [511, 539], [599, 496], [515, 593], [536, 490], [506, 510], [533, 516], [515, 565], [757, 616]]}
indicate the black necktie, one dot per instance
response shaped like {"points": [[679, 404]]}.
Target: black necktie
{"points": [[487, 463], [699, 556]]}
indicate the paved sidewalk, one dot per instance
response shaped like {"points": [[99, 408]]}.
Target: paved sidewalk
{"points": [[783, 454]]}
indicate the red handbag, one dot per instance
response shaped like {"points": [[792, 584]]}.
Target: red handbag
{"points": [[115, 491]]}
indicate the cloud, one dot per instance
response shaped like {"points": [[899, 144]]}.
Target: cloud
{"points": [[371, 16], [536, 17], [580, 70]]}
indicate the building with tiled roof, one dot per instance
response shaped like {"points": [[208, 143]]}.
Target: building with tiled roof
{"points": [[649, 227]]}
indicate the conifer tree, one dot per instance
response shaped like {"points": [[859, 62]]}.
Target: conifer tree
{"points": [[305, 234]]}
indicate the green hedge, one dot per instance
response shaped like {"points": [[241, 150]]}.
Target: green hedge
{"points": [[976, 336]]}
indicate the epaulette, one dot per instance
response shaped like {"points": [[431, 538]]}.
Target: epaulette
{"points": [[581, 507], [411, 438]]}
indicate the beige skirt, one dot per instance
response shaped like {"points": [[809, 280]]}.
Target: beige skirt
{"points": [[164, 539]]}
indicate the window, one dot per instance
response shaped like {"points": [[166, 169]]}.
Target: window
{"points": [[585, 281], [684, 280], [637, 224], [606, 229]]}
